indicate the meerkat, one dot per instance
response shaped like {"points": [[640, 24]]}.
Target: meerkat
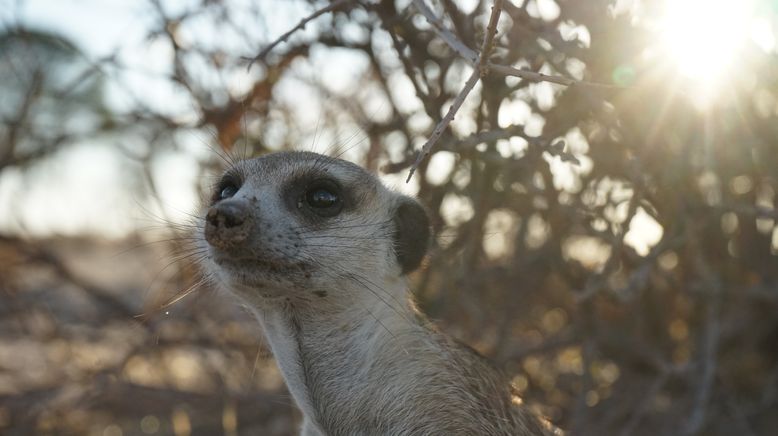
{"points": [[318, 249]]}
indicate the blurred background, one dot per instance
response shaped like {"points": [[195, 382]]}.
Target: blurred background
{"points": [[611, 248]]}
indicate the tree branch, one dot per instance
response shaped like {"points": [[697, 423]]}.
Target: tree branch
{"points": [[301, 25], [440, 28], [540, 77], [479, 71]]}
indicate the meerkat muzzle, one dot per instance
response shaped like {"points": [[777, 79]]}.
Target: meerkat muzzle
{"points": [[227, 224]]}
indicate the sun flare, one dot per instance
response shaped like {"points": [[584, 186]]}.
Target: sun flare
{"points": [[704, 37]]}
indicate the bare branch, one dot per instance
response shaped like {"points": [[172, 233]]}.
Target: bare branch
{"points": [[540, 77], [440, 28], [443, 124], [644, 405], [467, 53], [301, 25], [530, 75], [709, 349], [7, 155], [479, 71]]}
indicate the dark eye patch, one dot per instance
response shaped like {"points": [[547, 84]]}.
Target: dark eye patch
{"points": [[316, 196], [323, 197]]}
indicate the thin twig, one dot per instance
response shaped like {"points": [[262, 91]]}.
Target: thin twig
{"points": [[469, 54], [443, 124], [479, 71], [540, 77], [710, 340], [709, 349], [301, 25], [643, 406], [531, 75], [33, 92], [481, 67], [442, 31], [469, 143]]}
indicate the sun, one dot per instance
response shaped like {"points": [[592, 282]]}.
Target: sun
{"points": [[703, 38]]}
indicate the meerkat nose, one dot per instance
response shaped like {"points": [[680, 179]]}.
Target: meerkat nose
{"points": [[227, 223]]}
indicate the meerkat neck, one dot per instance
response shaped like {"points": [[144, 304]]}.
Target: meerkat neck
{"points": [[326, 351]]}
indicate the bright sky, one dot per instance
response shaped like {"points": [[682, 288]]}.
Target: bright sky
{"points": [[83, 189], [47, 199]]}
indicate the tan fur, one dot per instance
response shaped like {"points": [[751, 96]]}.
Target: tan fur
{"points": [[356, 355]]}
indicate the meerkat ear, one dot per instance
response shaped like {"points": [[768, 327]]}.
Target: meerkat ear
{"points": [[412, 234]]}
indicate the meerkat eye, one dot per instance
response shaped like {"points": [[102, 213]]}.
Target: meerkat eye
{"points": [[226, 188], [323, 198], [228, 191]]}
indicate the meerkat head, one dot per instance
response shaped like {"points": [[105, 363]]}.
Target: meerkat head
{"points": [[300, 225]]}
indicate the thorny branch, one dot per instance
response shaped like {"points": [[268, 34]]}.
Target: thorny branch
{"points": [[481, 66], [480, 69], [540, 77], [440, 28]]}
